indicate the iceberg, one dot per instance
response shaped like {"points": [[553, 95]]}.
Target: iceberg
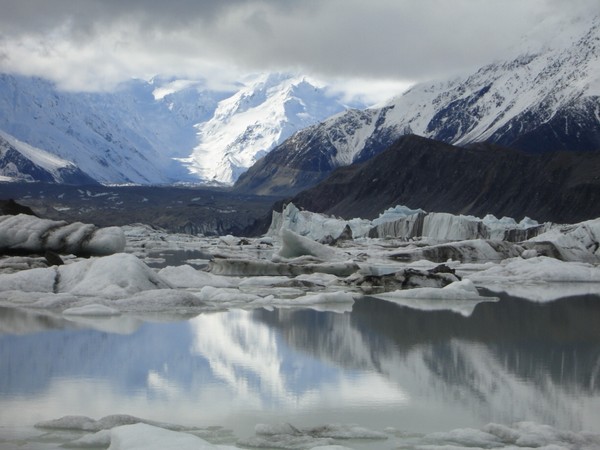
{"points": [[313, 225], [30, 234]]}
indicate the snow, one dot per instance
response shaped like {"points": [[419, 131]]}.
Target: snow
{"points": [[39, 157], [250, 123]]}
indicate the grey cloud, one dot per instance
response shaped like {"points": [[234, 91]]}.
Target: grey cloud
{"points": [[386, 39]]}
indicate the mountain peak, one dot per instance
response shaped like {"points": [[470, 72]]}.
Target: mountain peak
{"points": [[247, 125]]}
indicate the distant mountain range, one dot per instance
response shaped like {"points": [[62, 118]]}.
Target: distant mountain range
{"points": [[541, 101], [162, 131]]}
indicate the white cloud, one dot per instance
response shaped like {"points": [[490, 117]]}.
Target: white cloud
{"points": [[86, 44]]}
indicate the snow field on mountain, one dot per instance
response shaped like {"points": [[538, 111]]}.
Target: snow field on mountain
{"points": [[247, 125]]}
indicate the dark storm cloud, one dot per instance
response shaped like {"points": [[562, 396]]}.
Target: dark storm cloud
{"points": [[97, 42]]}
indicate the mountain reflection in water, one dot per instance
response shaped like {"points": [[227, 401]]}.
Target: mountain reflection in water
{"points": [[380, 365]]}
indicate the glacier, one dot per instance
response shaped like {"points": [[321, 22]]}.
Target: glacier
{"points": [[249, 124], [157, 131]]}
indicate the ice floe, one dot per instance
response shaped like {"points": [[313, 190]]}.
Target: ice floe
{"points": [[125, 432], [30, 234], [461, 297], [314, 226]]}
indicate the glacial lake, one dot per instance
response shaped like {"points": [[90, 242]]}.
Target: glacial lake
{"points": [[381, 365]]}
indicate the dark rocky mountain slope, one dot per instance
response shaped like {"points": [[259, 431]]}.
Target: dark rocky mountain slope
{"points": [[423, 173]]}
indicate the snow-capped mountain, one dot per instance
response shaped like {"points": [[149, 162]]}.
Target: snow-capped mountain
{"points": [[261, 115], [542, 100], [22, 162], [161, 131], [126, 136]]}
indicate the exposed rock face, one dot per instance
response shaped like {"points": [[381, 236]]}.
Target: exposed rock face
{"points": [[417, 172], [11, 208]]}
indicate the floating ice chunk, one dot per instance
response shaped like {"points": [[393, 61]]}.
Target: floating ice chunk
{"points": [[84, 423], [92, 310], [395, 213], [495, 436], [187, 277], [160, 300], [146, 437], [263, 281], [261, 267], [579, 242], [114, 276], [32, 280], [229, 240], [537, 269], [313, 225], [286, 435], [100, 439], [461, 297], [465, 251], [32, 234], [321, 298], [225, 295], [294, 245]]}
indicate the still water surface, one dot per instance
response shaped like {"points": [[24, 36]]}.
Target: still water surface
{"points": [[382, 365]]}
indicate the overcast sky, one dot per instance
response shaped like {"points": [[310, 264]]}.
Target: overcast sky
{"points": [[375, 46]]}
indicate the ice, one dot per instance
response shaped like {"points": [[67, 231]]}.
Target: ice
{"points": [[147, 437], [91, 310], [464, 251], [520, 435], [114, 276], [537, 269], [579, 242], [461, 297], [539, 278], [321, 299], [285, 435], [32, 234], [293, 245], [395, 213], [450, 227], [260, 267], [100, 439], [313, 225], [85, 423], [186, 276]]}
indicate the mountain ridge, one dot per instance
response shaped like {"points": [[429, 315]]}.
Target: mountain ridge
{"points": [[542, 101], [558, 187], [145, 132]]}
